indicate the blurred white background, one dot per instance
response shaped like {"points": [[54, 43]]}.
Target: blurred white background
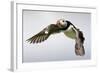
{"points": [[5, 35], [57, 47]]}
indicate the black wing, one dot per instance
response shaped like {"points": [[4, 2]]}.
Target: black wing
{"points": [[44, 34], [79, 47]]}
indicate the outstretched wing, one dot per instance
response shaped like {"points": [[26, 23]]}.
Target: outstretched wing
{"points": [[79, 47], [44, 34], [41, 36], [78, 36]]}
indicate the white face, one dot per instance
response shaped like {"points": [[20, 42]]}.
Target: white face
{"points": [[62, 22]]}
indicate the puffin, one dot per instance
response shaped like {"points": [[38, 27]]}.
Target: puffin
{"points": [[66, 27]]}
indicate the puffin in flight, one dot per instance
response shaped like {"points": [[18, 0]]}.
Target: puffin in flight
{"points": [[67, 28]]}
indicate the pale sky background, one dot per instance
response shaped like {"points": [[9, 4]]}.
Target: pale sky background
{"points": [[57, 47]]}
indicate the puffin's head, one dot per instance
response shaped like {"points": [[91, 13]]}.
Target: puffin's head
{"points": [[63, 23]]}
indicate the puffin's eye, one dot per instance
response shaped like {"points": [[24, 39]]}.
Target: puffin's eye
{"points": [[62, 20]]}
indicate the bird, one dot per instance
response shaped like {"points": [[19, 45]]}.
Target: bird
{"points": [[67, 28]]}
